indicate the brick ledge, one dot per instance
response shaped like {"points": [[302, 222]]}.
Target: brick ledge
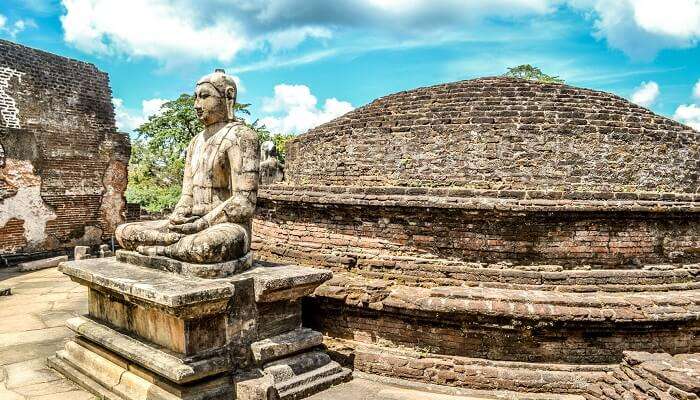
{"points": [[478, 199]]}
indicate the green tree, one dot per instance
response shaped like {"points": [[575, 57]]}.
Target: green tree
{"points": [[529, 72], [158, 155], [158, 152]]}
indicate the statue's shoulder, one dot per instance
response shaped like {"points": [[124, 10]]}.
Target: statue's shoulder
{"points": [[235, 131]]}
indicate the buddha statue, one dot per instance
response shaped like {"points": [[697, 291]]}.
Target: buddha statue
{"points": [[271, 170], [211, 222]]}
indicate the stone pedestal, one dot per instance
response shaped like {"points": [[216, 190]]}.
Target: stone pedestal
{"points": [[153, 332]]}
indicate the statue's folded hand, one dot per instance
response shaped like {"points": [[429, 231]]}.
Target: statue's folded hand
{"points": [[190, 227], [180, 219]]}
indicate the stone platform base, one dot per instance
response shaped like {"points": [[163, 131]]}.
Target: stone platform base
{"points": [[151, 334], [112, 377], [210, 271]]}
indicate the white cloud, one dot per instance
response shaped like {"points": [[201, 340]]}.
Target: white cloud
{"points": [[646, 94], [675, 18], [641, 28], [689, 115], [239, 84], [128, 120], [173, 30], [696, 90], [295, 109], [16, 27], [177, 30], [156, 28], [152, 107]]}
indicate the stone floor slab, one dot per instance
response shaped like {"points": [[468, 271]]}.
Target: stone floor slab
{"points": [[30, 372], [21, 323]]}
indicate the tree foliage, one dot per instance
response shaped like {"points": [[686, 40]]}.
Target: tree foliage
{"points": [[529, 72], [158, 152]]}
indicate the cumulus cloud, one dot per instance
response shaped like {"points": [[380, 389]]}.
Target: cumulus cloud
{"points": [[14, 28], [696, 90], [173, 30], [646, 94], [219, 29], [641, 28], [155, 28], [689, 115], [128, 120], [294, 109]]}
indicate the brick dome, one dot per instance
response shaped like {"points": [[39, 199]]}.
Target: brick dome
{"points": [[503, 134]]}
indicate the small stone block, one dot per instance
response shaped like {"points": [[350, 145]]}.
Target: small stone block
{"points": [[285, 282], [285, 344], [81, 252], [105, 251], [42, 264]]}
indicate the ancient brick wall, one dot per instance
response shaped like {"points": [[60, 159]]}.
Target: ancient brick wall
{"points": [[500, 133], [63, 173], [504, 339], [400, 237]]}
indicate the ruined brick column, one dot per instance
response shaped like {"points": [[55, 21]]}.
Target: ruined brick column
{"points": [[63, 165]]}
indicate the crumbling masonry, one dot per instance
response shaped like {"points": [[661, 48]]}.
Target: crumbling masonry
{"points": [[63, 165]]}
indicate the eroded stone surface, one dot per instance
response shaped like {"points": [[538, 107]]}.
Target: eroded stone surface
{"points": [[216, 270], [172, 292], [274, 283], [63, 171], [211, 222], [285, 344]]}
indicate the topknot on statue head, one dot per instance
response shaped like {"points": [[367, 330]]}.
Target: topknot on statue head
{"points": [[226, 87]]}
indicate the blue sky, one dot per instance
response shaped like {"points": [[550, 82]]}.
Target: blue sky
{"points": [[301, 63]]}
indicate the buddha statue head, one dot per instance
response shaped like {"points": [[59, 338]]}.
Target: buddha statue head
{"points": [[215, 98]]}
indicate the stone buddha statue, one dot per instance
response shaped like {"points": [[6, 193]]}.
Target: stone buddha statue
{"points": [[211, 222], [271, 170]]}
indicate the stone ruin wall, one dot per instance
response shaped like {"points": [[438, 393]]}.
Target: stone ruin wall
{"points": [[63, 167]]}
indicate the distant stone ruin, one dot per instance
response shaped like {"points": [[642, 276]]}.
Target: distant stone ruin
{"points": [[63, 165], [498, 234]]}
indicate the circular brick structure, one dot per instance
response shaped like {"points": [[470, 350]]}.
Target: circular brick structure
{"points": [[501, 134], [533, 231]]}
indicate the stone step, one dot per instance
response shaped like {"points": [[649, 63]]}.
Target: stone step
{"points": [[285, 344], [152, 358], [313, 381], [111, 381], [57, 362], [288, 368], [298, 376]]}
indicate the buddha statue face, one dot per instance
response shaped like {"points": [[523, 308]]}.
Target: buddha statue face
{"points": [[209, 104], [215, 98]]}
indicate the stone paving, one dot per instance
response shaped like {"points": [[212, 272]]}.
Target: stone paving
{"points": [[32, 327]]}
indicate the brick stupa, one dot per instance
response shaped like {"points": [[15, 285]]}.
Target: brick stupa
{"points": [[500, 234]]}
